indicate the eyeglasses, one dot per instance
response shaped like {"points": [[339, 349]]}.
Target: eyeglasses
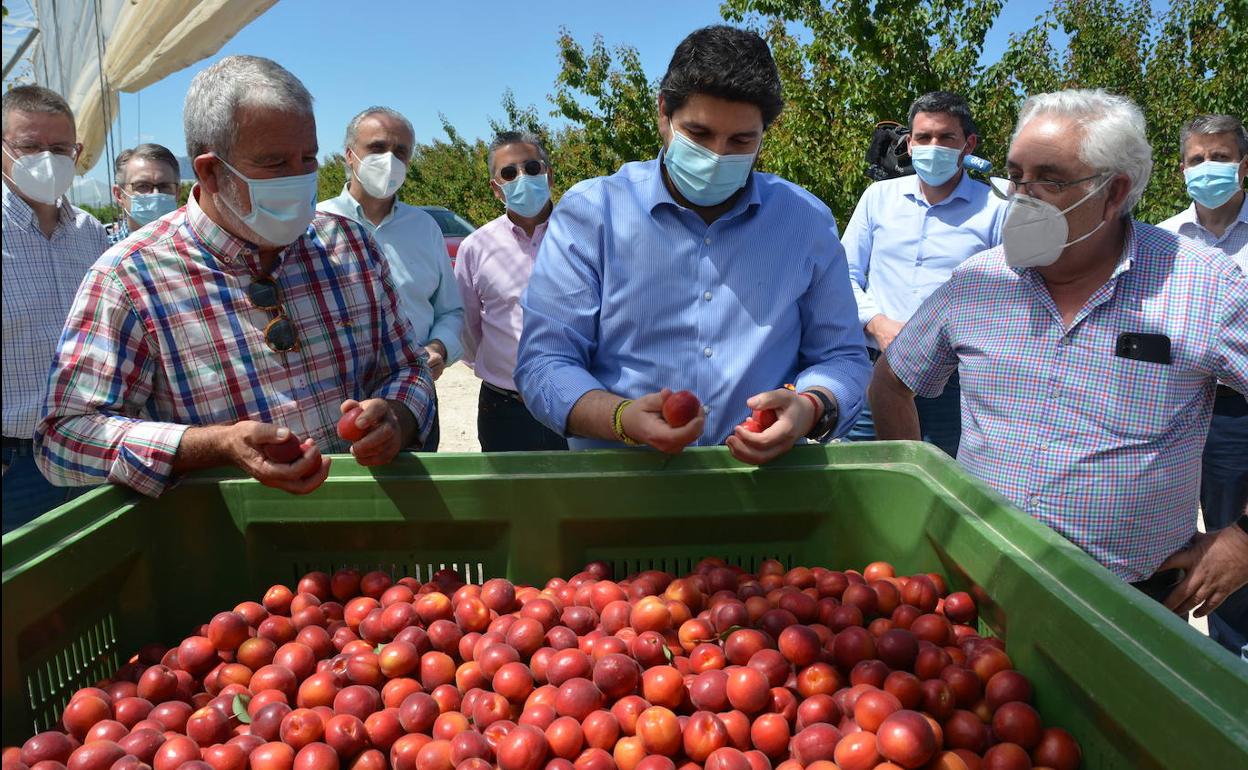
{"points": [[279, 335], [529, 167], [30, 148], [147, 188], [1048, 187]]}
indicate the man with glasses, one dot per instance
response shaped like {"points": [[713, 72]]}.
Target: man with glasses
{"points": [[145, 187], [378, 148], [693, 271], [239, 329], [492, 271], [1214, 162], [908, 234], [1088, 346], [48, 247]]}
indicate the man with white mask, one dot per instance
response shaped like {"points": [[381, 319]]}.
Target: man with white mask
{"points": [[1088, 346], [694, 272], [908, 234], [1214, 162], [48, 247], [146, 181], [241, 328], [378, 148], [492, 270]]}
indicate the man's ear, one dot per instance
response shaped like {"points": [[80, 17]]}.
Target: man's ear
{"points": [[206, 171], [972, 142], [117, 196], [1117, 191]]}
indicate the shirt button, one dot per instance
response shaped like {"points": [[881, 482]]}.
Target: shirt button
{"points": [[707, 352], [707, 241], [707, 296]]}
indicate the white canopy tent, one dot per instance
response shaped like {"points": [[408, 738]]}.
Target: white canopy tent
{"points": [[89, 50]]}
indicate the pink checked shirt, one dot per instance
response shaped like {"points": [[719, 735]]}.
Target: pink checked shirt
{"points": [[492, 270], [1103, 449], [162, 337]]}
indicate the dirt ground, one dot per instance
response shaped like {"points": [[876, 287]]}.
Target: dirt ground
{"points": [[457, 402]]}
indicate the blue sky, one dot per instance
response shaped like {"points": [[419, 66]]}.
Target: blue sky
{"points": [[455, 57]]}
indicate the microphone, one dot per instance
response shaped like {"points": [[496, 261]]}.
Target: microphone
{"points": [[976, 163]]}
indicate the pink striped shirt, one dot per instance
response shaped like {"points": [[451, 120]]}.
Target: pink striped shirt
{"points": [[492, 270]]}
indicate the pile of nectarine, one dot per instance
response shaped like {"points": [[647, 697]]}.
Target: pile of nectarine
{"points": [[720, 669]]}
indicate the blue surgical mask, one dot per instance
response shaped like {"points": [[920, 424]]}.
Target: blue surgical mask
{"points": [[281, 208], [149, 207], [935, 164], [704, 177], [1212, 184], [527, 195]]}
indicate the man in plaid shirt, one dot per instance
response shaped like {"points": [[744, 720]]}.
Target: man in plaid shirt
{"points": [[238, 321], [1088, 348]]}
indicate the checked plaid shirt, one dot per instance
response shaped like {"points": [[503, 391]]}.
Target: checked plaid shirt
{"points": [[162, 337], [1103, 449]]}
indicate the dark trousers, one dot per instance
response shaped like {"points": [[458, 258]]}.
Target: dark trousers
{"points": [[27, 494], [504, 424], [940, 418], [1223, 498], [435, 431]]}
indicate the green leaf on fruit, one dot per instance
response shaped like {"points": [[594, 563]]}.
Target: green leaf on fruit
{"points": [[240, 708], [728, 632], [377, 649], [667, 653]]}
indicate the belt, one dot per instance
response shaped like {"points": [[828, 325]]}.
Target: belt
{"points": [[503, 391], [19, 444]]}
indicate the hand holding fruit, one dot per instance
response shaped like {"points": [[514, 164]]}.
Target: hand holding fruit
{"points": [[792, 416], [276, 457], [1217, 566], [372, 426], [644, 421]]}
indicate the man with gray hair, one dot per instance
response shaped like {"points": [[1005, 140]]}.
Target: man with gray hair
{"points": [[48, 247], [378, 148], [1088, 345], [1214, 162], [145, 186], [238, 330], [492, 270]]}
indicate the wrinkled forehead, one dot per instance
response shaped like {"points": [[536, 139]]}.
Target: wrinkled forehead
{"points": [[1048, 145], [38, 127], [149, 170]]}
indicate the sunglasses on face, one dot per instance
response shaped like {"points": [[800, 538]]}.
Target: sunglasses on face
{"points": [[509, 172], [279, 335]]}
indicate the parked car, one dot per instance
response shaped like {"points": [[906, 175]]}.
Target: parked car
{"points": [[453, 226]]}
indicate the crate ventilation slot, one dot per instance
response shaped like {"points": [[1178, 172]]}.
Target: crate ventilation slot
{"points": [[90, 658]]}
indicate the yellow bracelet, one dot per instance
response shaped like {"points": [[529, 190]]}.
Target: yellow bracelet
{"points": [[617, 423]]}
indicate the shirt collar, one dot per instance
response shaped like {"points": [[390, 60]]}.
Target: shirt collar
{"points": [[350, 203], [519, 232], [16, 208], [221, 244], [659, 194], [961, 191], [1188, 215]]}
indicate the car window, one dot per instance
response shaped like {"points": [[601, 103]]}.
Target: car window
{"points": [[451, 224]]}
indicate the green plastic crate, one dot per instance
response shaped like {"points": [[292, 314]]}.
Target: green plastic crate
{"points": [[92, 581]]}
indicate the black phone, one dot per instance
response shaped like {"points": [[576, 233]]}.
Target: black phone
{"points": [[1153, 348]]}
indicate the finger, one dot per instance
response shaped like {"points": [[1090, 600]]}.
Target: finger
{"points": [[1194, 600], [1180, 594], [1211, 604], [379, 457], [651, 402], [770, 399], [307, 484], [375, 410], [745, 453], [1184, 559], [348, 405], [377, 438]]}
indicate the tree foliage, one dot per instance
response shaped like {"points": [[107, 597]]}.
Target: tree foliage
{"points": [[848, 64]]}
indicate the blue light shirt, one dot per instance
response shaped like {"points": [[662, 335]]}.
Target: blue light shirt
{"points": [[900, 248], [632, 292], [420, 268]]}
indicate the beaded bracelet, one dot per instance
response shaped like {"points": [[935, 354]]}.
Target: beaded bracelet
{"points": [[617, 423]]}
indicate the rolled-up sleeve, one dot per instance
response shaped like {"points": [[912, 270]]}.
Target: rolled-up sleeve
{"points": [[833, 354], [561, 306], [101, 378]]}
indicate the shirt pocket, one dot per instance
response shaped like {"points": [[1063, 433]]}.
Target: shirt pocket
{"points": [[1143, 399]]}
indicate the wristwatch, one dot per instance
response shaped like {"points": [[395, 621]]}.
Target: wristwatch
{"points": [[827, 421]]}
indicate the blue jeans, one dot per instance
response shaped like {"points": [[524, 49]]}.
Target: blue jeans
{"points": [[26, 493], [940, 418], [1223, 498], [504, 424]]}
